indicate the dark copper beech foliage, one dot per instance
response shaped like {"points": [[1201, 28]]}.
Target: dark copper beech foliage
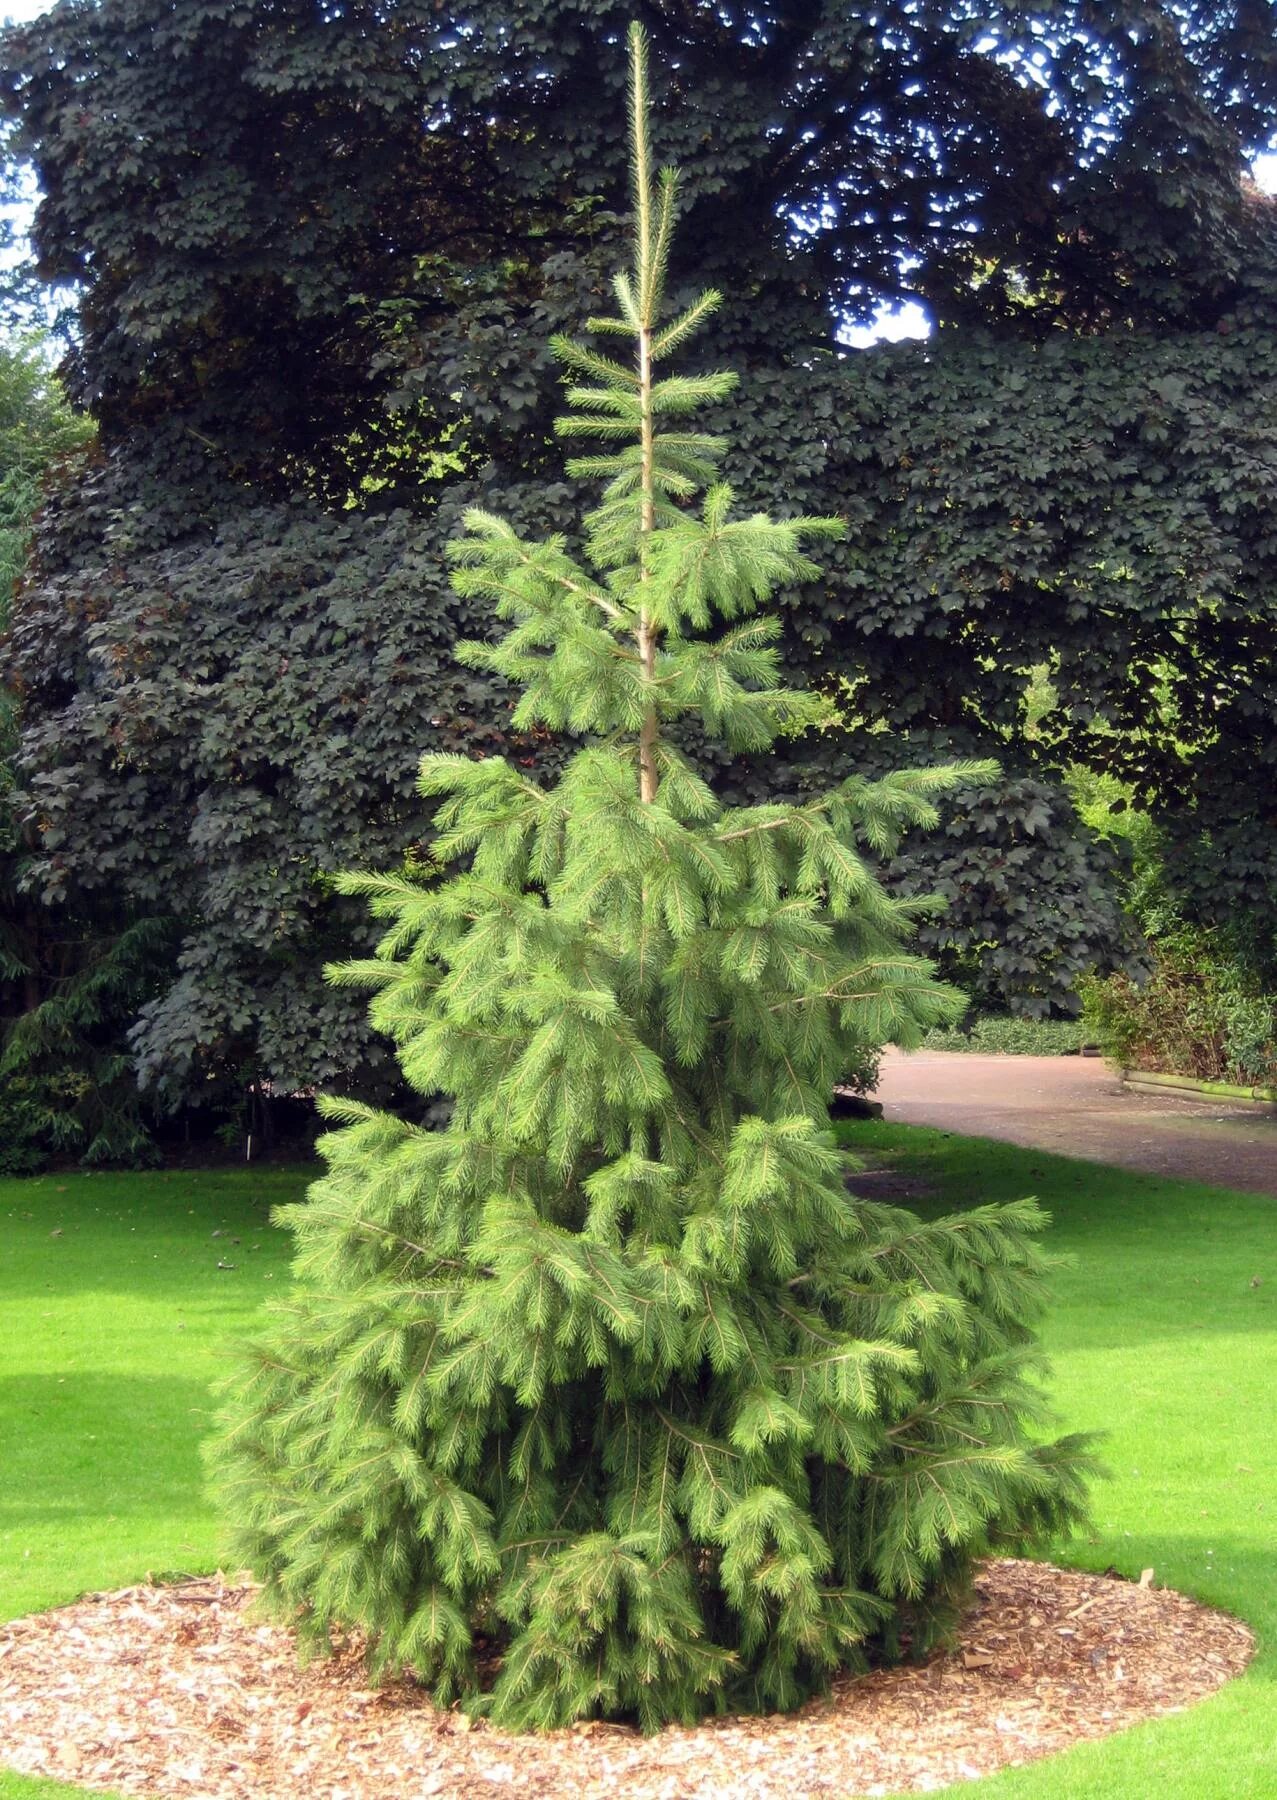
{"points": [[321, 251]]}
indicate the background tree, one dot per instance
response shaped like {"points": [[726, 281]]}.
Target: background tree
{"points": [[611, 1369], [321, 256], [37, 430], [69, 985]]}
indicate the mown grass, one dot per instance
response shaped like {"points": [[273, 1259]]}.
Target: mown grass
{"points": [[1164, 1333], [114, 1318]]}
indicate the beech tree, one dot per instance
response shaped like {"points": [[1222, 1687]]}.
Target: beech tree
{"points": [[322, 253], [611, 1369]]}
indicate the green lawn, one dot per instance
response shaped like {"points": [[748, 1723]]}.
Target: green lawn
{"points": [[113, 1320], [113, 1313]]}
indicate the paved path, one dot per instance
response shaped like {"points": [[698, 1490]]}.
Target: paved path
{"points": [[1076, 1106]]}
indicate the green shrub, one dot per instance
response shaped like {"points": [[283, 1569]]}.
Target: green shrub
{"points": [[1198, 1013], [861, 1069], [23, 1142], [996, 1036], [1250, 1037]]}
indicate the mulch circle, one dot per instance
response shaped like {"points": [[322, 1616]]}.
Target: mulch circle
{"points": [[177, 1691]]}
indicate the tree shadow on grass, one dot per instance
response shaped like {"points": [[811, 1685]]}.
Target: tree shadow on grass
{"points": [[1153, 1259], [149, 1237]]}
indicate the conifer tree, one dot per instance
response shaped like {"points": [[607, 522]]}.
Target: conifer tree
{"points": [[608, 1398]]}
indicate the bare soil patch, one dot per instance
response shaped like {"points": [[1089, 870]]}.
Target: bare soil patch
{"points": [[178, 1691]]}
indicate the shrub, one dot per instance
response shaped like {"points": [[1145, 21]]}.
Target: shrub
{"points": [[22, 1138], [1198, 1013], [995, 1036]]}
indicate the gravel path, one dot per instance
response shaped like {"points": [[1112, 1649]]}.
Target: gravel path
{"points": [[1077, 1107]]}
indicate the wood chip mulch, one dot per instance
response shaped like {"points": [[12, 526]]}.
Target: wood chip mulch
{"points": [[179, 1692]]}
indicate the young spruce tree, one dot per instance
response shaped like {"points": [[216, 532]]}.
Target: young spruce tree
{"points": [[608, 1398]]}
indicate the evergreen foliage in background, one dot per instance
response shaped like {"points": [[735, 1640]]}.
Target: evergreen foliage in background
{"points": [[68, 1085], [322, 251], [611, 1377], [71, 983]]}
